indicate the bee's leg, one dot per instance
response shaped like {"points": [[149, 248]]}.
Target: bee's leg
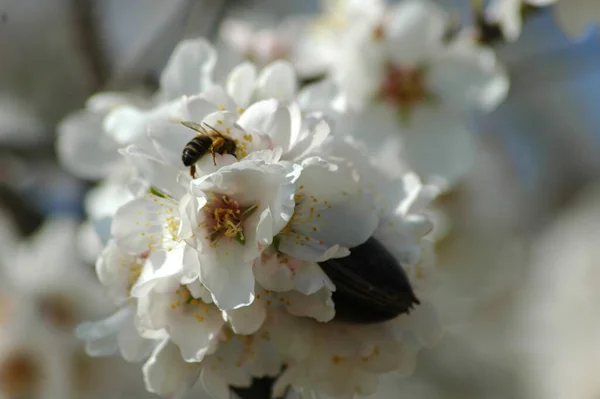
{"points": [[215, 147], [193, 171]]}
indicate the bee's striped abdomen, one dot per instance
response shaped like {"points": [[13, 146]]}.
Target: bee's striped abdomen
{"points": [[195, 149]]}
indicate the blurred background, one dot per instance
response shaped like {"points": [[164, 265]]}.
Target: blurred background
{"points": [[516, 240]]}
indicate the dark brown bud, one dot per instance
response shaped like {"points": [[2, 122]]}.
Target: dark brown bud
{"points": [[371, 286]]}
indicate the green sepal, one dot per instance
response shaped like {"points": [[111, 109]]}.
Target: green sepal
{"points": [[276, 241], [240, 238], [154, 191]]}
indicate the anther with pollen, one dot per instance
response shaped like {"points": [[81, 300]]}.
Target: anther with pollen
{"points": [[225, 218]]}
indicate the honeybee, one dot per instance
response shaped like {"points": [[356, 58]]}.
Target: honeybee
{"points": [[214, 142]]}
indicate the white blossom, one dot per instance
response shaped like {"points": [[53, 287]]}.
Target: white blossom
{"points": [[117, 271], [573, 17], [309, 42], [265, 45], [82, 144], [192, 322], [406, 88], [239, 210], [45, 291]]}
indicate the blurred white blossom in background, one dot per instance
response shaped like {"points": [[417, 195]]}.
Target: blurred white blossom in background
{"points": [[45, 292], [557, 326], [572, 16]]}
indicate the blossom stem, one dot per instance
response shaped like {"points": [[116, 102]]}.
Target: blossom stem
{"points": [[87, 42]]}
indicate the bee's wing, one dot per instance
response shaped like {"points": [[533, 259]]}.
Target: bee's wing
{"points": [[214, 130], [194, 126]]}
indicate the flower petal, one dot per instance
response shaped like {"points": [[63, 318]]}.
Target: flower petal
{"points": [[196, 108], [241, 82], [319, 305], [189, 69], [227, 277], [133, 347], [219, 97], [181, 262], [166, 374], [277, 80], [105, 198], [153, 310], [439, 145], [326, 180], [214, 384], [248, 319], [237, 33], [108, 100], [360, 68], [159, 174], [98, 330], [196, 334], [138, 225], [310, 140], [82, 147], [347, 223], [310, 278], [507, 13], [129, 125], [402, 237], [104, 346], [414, 32], [466, 76], [113, 270], [273, 273], [270, 118], [330, 212], [573, 20], [170, 139], [319, 97]]}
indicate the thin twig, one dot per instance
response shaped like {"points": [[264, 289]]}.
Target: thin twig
{"points": [[87, 42]]}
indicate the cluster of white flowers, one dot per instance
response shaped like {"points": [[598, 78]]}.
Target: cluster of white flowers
{"points": [[216, 267], [395, 68], [251, 228]]}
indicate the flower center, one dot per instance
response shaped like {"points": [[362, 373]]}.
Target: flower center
{"points": [[172, 228], [187, 303], [404, 87], [58, 310], [135, 269], [169, 236], [378, 33], [225, 218], [18, 374]]}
